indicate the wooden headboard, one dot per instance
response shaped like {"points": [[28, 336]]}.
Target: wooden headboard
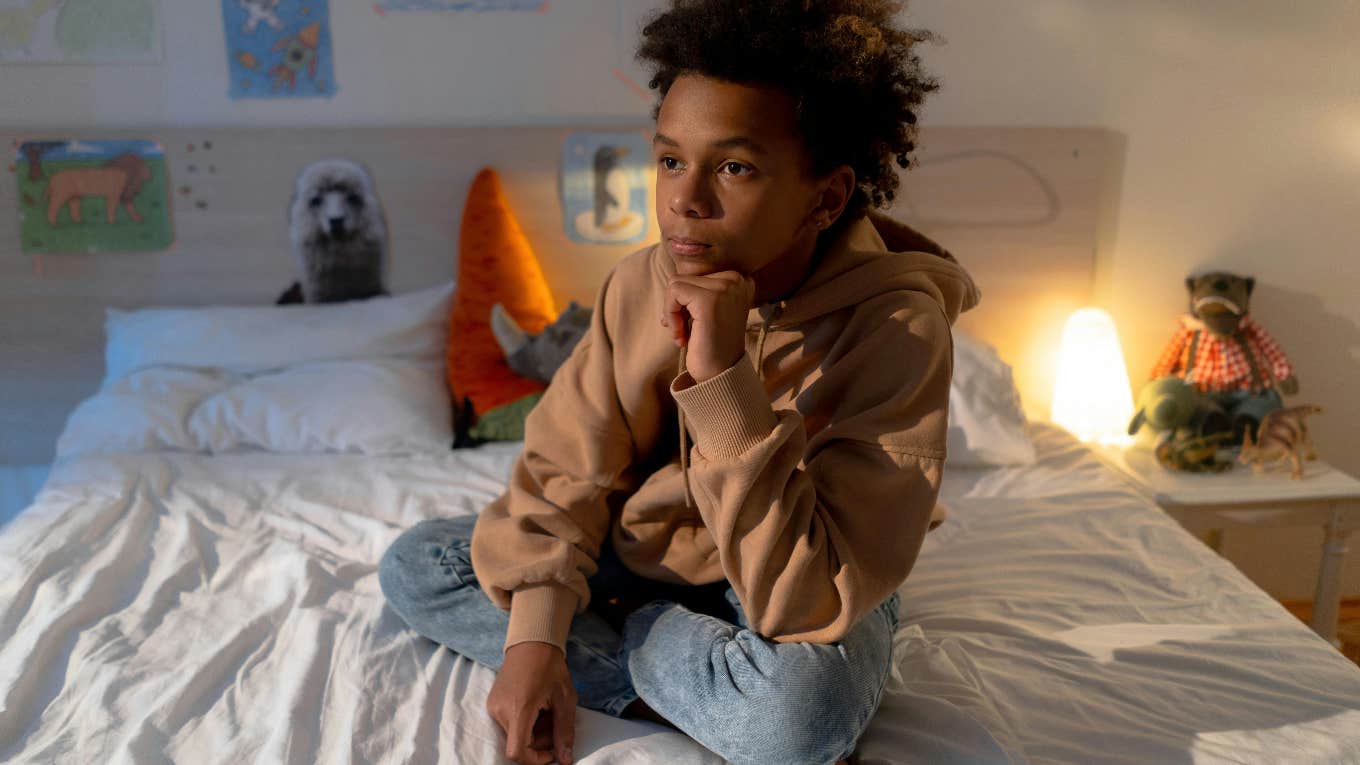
{"points": [[1024, 209]]}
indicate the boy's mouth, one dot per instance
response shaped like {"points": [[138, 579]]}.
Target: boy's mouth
{"points": [[688, 248]]}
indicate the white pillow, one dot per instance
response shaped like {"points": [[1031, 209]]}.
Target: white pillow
{"points": [[251, 339], [987, 425], [146, 411], [364, 376], [369, 406]]}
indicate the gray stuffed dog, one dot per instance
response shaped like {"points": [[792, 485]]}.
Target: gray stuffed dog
{"points": [[339, 234]]}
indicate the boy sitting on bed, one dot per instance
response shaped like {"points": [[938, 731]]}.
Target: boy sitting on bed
{"points": [[726, 483]]}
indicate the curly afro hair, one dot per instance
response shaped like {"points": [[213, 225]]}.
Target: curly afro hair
{"points": [[854, 77]]}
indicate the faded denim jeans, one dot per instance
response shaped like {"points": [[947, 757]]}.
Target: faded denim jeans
{"points": [[688, 652]]}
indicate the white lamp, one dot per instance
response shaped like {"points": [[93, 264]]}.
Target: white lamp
{"points": [[1091, 397]]}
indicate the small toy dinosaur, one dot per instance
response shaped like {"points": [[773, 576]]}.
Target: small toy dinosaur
{"points": [[1192, 455], [1283, 434]]}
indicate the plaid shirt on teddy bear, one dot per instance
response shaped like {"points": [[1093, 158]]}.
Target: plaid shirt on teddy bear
{"points": [[1249, 360]]}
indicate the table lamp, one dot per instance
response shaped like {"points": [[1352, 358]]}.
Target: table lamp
{"points": [[1091, 396]]}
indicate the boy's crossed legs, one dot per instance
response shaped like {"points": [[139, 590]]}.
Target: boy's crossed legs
{"points": [[747, 698]]}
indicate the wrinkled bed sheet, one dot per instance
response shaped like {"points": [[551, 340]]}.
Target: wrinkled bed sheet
{"points": [[175, 607]]}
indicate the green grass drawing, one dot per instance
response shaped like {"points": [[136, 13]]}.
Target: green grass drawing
{"points": [[93, 233]]}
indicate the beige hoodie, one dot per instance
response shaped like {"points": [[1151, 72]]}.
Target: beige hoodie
{"points": [[815, 464]]}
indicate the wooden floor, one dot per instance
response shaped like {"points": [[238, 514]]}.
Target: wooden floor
{"points": [[1348, 623]]}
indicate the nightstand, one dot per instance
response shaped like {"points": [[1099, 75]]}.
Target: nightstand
{"points": [[1211, 502]]}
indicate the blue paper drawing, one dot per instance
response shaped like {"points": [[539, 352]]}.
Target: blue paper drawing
{"points": [[604, 187], [279, 48]]}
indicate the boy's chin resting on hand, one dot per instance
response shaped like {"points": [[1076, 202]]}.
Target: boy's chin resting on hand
{"points": [[707, 315]]}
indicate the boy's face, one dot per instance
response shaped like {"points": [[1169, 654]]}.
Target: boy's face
{"points": [[734, 188]]}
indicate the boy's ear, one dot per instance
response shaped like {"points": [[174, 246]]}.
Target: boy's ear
{"points": [[837, 188]]}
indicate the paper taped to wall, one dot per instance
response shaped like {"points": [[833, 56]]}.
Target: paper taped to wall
{"points": [[79, 31], [604, 187], [93, 196], [279, 48]]}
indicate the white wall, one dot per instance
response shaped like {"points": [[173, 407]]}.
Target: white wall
{"points": [[1243, 126], [1242, 119], [402, 68]]}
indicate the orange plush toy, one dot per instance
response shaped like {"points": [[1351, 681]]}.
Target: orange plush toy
{"points": [[495, 265]]}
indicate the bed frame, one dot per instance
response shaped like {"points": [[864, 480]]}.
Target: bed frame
{"points": [[1027, 210]]}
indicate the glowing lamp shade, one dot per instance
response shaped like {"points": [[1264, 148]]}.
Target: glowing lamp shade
{"points": [[1091, 396]]}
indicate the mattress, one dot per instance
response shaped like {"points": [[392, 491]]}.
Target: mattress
{"points": [[179, 607]]}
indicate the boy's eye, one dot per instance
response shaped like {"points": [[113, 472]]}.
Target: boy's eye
{"points": [[735, 168], [670, 163]]}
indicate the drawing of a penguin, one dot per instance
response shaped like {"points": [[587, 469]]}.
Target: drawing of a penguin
{"points": [[612, 189]]}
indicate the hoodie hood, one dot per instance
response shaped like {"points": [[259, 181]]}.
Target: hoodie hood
{"points": [[871, 256]]}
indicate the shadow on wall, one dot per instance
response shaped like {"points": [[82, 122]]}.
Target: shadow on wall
{"points": [[1324, 348]]}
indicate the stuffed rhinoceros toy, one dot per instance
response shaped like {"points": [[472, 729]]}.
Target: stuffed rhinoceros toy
{"points": [[537, 357]]}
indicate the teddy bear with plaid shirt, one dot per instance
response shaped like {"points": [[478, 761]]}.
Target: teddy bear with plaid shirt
{"points": [[1236, 366]]}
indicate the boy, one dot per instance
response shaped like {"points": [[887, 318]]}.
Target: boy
{"points": [[740, 587]]}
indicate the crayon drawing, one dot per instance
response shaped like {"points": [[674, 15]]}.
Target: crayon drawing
{"points": [[93, 196], [279, 48]]}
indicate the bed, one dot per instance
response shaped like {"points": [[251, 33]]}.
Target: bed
{"points": [[169, 606], [196, 579]]}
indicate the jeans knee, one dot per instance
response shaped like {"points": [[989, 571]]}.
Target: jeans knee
{"points": [[430, 557], [798, 704], [818, 725], [792, 728]]}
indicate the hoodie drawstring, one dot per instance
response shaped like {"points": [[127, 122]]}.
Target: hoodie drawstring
{"points": [[684, 437], [760, 349], [680, 412]]}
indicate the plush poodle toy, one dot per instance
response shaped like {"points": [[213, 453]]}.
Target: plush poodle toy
{"points": [[1230, 360], [339, 234]]}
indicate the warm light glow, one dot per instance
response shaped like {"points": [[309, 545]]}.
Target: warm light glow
{"points": [[1091, 396]]}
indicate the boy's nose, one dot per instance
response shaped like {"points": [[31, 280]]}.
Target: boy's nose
{"points": [[691, 199]]}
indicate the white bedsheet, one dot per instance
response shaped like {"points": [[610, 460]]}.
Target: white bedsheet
{"points": [[175, 607]]}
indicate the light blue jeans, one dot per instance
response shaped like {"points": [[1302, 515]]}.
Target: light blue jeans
{"points": [[746, 698]]}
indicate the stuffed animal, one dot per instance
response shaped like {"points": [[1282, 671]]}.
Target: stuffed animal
{"points": [[537, 357], [1283, 434], [533, 356], [1166, 404], [1231, 360], [339, 234]]}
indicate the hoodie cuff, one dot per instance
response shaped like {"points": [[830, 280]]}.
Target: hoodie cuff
{"points": [[730, 412], [541, 612]]}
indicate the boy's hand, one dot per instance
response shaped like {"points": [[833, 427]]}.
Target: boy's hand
{"points": [[534, 702], [707, 313]]}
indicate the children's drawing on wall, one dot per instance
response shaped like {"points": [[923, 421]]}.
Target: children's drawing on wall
{"points": [[604, 187], [93, 196], [279, 48], [385, 6], [79, 31]]}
